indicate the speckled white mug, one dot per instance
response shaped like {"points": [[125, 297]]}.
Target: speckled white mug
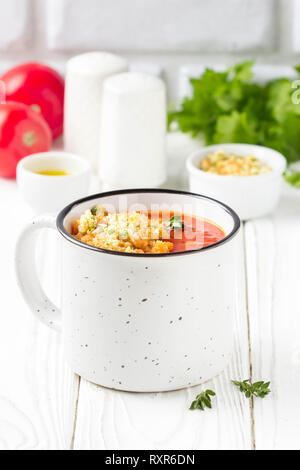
{"points": [[140, 322]]}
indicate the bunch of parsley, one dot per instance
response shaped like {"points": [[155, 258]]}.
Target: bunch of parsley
{"points": [[229, 107]]}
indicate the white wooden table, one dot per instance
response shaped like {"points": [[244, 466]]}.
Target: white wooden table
{"points": [[43, 405]]}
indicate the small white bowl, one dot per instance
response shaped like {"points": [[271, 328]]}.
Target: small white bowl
{"points": [[250, 196], [48, 193]]}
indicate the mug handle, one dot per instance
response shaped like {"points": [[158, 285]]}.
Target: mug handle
{"points": [[27, 276]]}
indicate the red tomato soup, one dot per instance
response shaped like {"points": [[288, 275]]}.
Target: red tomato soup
{"points": [[146, 232], [195, 233]]}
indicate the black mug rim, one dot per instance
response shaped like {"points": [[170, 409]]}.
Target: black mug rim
{"points": [[63, 213]]}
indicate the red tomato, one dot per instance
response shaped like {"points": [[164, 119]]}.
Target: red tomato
{"points": [[22, 132], [40, 87]]}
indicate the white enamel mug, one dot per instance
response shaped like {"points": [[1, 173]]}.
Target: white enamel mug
{"points": [[140, 322]]}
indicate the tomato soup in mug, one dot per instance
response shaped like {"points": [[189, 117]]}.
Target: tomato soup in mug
{"points": [[145, 231]]}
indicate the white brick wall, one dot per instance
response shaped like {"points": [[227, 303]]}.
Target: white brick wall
{"points": [[161, 25], [15, 17], [154, 35], [296, 26]]}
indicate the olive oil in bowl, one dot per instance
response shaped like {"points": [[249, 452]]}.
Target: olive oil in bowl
{"points": [[53, 172]]}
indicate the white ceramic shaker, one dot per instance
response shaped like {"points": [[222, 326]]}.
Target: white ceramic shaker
{"points": [[83, 95], [133, 132]]}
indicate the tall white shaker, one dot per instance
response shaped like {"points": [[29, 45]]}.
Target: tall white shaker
{"points": [[83, 96], [133, 132]]}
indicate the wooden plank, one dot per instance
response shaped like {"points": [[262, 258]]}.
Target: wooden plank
{"points": [[110, 419], [273, 263], [38, 391]]}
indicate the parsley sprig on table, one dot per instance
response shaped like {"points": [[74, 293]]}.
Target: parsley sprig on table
{"points": [[228, 107], [202, 400], [257, 389], [293, 178]]}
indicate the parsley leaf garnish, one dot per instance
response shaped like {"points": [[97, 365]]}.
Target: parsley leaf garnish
{"points": [[176, 222], [202, 400], [257, 389]]}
